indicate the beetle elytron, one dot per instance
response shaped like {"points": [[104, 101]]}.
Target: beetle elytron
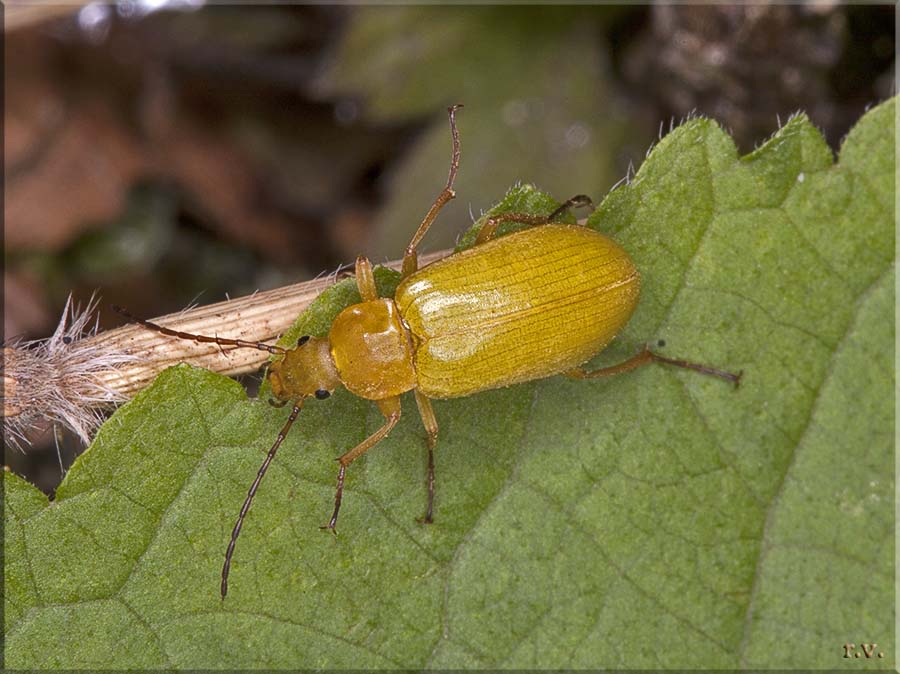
{"points": [[475, 320]]}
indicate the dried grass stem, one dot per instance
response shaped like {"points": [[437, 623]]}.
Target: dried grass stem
{"points": [[70, 377]]}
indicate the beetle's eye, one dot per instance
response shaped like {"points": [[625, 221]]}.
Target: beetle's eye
{"points": [[303, 340], [321, 394]]}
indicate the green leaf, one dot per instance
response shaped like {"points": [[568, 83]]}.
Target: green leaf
{"points": [[656, 519]]}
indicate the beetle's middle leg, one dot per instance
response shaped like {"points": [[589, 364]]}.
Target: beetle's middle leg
{"points": [[431, 427], [390, 408], [489, 228], [410, 259], [647, 356]]}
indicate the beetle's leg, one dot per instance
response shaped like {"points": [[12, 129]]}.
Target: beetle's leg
{"points": [[410, 260], [647, 356], [365, 279], [489, 228], [431, 427], [390, 408], [578, 201]]}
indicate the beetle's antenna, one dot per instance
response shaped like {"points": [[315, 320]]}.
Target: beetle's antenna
{"points": [[250, 494], [221, 341]]}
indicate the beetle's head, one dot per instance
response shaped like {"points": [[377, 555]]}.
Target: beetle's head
{"points": [[304, 371]]}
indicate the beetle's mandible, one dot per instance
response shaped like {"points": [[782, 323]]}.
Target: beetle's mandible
{"points": [[472, 321]]}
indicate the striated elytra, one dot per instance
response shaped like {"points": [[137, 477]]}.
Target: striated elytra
{"points": [[524, 306]]}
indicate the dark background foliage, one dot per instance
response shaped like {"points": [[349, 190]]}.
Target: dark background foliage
{"points": [[167, 156]]}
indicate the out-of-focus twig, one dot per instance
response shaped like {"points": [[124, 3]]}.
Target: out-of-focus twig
{"points": [[23, 14]]}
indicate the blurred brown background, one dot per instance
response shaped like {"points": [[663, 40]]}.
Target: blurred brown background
{"points": [[169, 152]]}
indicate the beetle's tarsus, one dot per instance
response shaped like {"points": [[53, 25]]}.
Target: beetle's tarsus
{"points": [[578, 201]]}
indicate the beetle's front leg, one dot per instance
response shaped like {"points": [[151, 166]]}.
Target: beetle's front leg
{"points": [[390, 408], [365, 280]]}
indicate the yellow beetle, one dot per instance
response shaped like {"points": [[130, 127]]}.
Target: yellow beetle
{"points": [[473, 321]]}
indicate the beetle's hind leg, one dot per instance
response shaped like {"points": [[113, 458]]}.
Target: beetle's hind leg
{"points": [[410, 258], [390, 408], [431, 427], [647, 356], [489, 228]]}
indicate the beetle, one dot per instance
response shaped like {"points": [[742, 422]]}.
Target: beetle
{"points": [[475, 320]]}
